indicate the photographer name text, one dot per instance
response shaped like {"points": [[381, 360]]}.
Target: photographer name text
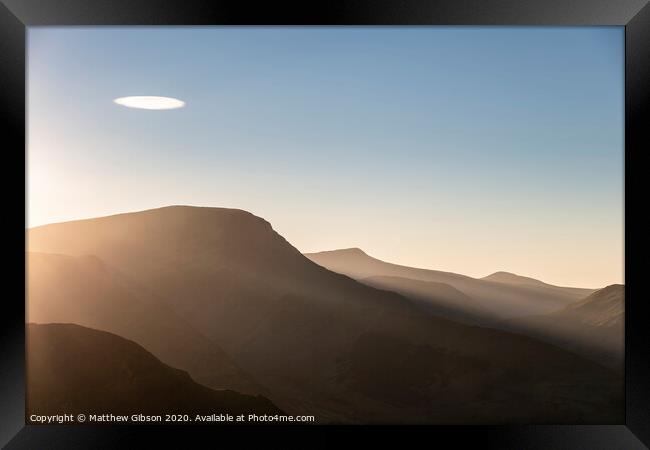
{"points": [[145, 418]]}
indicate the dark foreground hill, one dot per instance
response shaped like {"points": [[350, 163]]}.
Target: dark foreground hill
{"points": [[87, 291], [325, 344], [73, 369]]}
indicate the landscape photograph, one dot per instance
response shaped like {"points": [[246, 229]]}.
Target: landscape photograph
{"points": [[324, 225]]}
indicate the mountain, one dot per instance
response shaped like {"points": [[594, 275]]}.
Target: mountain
{"points": [[513, 279], [590, 324], [327, 345], [73, 369], [495, 299], [507, 277], [87, 291], [436, 298], [604, 308], [593, 327]]}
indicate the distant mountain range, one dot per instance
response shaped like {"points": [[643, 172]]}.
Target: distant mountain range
{"points": [[586, 321], [317, 341], [73, 369], [499, 296]]}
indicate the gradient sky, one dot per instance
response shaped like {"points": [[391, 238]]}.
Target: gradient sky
{"points": [[467, 149]]}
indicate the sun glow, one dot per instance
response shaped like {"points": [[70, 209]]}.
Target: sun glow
{"points": [[150, 102]]}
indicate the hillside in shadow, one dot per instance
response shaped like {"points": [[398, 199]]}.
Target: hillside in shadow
{"points": [[73, 369]]}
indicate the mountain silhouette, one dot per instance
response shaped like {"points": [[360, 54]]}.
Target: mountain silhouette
{"points": [[496, 297], [73, 369], [593, 327], [507, 277], [87, 291], [326, 344]]}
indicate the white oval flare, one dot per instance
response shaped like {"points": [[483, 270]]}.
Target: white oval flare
{"points": [[150, 102]]}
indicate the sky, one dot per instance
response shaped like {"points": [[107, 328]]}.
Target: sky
{"points": [[466, 149]]}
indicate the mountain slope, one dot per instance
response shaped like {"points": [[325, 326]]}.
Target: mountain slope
{"points": [[439, 299], [507, 277], [593, 327], [89, 292], [498, 300], [74, 369], [603, 308], [518, 280], [327, 345]]}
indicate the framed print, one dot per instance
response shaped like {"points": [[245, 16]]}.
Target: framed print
{"points": [[375, 217]]}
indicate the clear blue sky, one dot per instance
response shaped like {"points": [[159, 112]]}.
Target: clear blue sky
{"points": [[458, 148]]}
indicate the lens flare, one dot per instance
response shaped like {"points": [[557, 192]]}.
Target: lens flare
{"points": [[150, 102]]}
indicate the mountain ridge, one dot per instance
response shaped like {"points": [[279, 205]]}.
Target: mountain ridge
{"points": [[309, 334], [500, 300], [78, 369]]}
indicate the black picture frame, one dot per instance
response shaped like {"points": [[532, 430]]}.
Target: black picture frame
{"points": [[634, 15]]}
